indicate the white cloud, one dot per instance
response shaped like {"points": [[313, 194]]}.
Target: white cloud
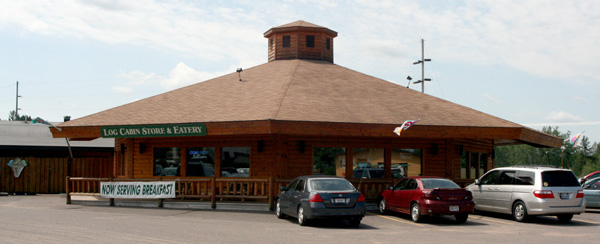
{"points": [[563, 117], [181, 75], [122, 89], [490, 98]]}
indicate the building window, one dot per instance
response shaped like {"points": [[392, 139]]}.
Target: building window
{"points": [[406, 162], [310, 41], [328, 43], [483, 160], [270, 43], [200, 161], [235, 162], [287, 40], [167, 161], [368, 163], [329, 161], [472, 164]]}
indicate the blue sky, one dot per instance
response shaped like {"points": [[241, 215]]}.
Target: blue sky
{"points": [[531, 62]]}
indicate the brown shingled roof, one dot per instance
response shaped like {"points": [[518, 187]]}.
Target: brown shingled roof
{"points": [[293, 90]]}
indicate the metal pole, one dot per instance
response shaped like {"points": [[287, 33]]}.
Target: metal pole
{"points": [[422, 65], [17, 103]]}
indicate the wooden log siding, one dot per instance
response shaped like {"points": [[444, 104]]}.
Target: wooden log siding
{"points": [[47, 175]]}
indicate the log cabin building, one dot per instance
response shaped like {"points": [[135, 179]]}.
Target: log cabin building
{"points": [[297, 114]]}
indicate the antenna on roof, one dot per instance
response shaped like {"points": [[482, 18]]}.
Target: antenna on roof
{"points": [[409, 79], [239, 71], [422, 62]]}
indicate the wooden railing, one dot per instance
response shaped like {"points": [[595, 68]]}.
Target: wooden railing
{"points": [[199, 188], [218, 189], [371, 188]]}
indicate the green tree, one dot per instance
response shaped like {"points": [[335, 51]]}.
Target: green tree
{"points": [[583, 159], [12, 116]]}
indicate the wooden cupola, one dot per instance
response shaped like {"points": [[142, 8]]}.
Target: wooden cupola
{"points": [[300, 40]]}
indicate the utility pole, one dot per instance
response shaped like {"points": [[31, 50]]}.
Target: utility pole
{"points": [[17, 106], [422, 62]]}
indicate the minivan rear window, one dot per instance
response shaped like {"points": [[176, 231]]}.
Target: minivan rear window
{"points": [[559, 178]]}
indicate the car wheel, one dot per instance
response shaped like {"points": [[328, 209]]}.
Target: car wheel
{"points": [[382, 207], [415, 213], [354, 222], [278, 210], [461, 218], [564, 218], [301, 218], [520, 212]]}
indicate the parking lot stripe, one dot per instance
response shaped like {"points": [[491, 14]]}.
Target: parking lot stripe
{"points": [[397, 220], [493, 220], [585, 221]]}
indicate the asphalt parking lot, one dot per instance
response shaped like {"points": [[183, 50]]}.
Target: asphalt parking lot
{"points": [[47, 219]]}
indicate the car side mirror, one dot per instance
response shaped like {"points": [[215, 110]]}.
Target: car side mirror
{"points": [[477, 182], [390, 187], [283, 188]]}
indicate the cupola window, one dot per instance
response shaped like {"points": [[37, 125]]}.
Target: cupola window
{"points": [[310, 41], [287, 41]]}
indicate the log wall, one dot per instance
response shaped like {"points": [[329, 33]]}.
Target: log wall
{"points": [[45, 175]]}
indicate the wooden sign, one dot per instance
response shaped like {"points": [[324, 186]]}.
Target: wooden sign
{"points": [[153, 130]]}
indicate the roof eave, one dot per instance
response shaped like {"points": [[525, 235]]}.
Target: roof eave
{"points": [[500, 135]]}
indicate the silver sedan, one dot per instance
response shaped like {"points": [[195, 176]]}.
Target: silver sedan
{"points": [[591, 191]]}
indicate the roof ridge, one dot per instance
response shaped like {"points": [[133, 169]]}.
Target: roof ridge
{"points": [[285, 89]]}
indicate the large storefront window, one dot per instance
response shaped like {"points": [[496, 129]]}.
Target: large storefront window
{"points": [[473, 164], [406, 162], [167, 161], [368, 163], [329, 161], [200, 161], [235, 162]]}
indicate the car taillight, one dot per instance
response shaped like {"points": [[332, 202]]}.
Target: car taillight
{"points": [[543, 194], [361, 197], [315, 198], [432, 196], [469, 196], [579, 194]]}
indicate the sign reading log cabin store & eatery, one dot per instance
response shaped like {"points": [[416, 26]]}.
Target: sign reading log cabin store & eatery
{"points": [[153, 130]]}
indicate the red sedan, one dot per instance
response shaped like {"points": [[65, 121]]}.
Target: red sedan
{"points": [[420, 196]]}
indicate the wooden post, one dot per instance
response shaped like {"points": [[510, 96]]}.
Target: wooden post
{"points": [[213, 199], [68, 190], [111, 201], [270, 192]]}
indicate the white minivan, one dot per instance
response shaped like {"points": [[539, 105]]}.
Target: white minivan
{"points": [[525, 191]]}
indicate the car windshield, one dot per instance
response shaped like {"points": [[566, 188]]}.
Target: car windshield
{"points": [[592, 184], [330, 185], [438, 183], [559, 178]]}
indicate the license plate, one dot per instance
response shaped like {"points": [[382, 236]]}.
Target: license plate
{"points": [[454, 208], [564, 195], [340, 200]]}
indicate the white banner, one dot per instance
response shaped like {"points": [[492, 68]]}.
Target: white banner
{"points": [[150, 189]]}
